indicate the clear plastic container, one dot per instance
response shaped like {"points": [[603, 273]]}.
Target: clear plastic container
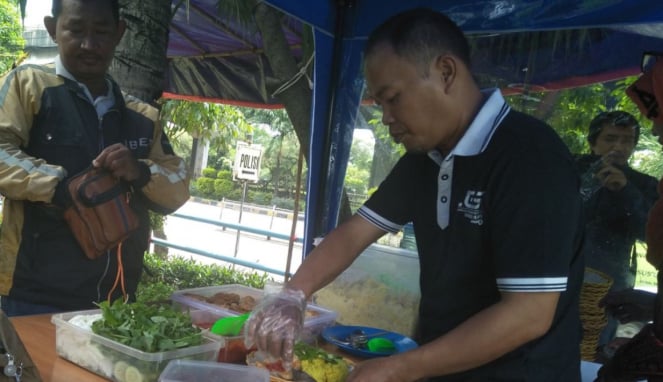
{"points": [[232, 348], [316, 320], [115, 361], [198, 371], [380, 289]]}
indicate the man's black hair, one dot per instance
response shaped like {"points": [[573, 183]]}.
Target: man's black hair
{"points": [[56, 9], [420, 35], [614, 118]]}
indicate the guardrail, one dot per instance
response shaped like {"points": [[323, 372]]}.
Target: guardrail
{"points": [[239, 227], [228, 259]]}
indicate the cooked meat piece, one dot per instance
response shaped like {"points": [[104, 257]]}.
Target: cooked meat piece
{"points": [[224, 299], [247, 303]]}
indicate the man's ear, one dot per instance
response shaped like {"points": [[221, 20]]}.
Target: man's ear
{"points": [[445, 68], [50, 24]]}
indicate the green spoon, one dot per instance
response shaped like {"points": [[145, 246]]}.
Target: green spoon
{"points": [[229, 326], [381, 345]]}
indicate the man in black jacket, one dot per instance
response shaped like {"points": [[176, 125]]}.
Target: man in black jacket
{"points": [[617, 200], [56, 121]]}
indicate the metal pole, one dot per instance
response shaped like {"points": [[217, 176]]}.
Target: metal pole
{"points": [[223, 205], [271, 222], [241, 209], [295, 215]]}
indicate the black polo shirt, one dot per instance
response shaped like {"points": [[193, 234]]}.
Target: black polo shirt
{"points": [[502, 212]]}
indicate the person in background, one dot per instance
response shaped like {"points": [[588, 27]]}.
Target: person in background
{"points": [[617, 200], [641, 358], [56, 121], [493, 195]]}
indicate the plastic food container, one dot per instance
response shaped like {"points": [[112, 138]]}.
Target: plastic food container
{"points": [[380, 289], [115, 361], [232, 348], [200, 371], [316, 320]]}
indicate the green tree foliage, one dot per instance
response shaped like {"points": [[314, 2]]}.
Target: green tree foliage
{"points": [[218, 124], [359, 167], [570, 111], [281, 150], [11, 35]]}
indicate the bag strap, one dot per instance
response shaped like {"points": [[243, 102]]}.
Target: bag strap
{"points": [[119, 277], [96, 199]]}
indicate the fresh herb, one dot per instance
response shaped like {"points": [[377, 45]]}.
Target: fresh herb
{"points": [[305, 351], [145, 327]]}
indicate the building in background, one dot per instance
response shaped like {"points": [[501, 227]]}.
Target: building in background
{"points": [[38, 44]]}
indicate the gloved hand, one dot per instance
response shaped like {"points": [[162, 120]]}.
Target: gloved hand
{"points": [[276, 323]]}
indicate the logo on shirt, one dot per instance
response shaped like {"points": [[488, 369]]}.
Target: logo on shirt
{"points": [[134, 144], [471, 207]]}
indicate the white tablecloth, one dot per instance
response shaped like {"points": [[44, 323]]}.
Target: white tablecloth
{"points": [[589, 370]]}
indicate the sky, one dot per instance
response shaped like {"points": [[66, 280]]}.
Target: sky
{"points": [[35, 11]]}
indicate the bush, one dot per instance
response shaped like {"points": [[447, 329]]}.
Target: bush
{"points": [[164, 276], [288, 203], [224, 174], [258, 197], [205, 187], [223, 188], [209, 172]]}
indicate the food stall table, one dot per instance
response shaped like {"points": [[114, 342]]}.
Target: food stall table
{"points": [[38, 336], [37, 333]]}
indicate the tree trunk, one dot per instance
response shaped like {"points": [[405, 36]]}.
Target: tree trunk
{"points": [[277, 174], [140, 60], [297, 98]]}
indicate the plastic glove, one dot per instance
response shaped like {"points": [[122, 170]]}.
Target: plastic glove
{"points": [[276, 323]]}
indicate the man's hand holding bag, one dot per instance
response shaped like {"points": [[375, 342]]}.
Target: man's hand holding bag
{"points": [[99, 215]]}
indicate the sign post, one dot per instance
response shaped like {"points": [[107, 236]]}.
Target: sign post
{"points": [[246, 168], [247, 162]]}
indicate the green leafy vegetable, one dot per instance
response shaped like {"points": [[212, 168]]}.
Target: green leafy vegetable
{"points": [[305, 351], [145, 327]]}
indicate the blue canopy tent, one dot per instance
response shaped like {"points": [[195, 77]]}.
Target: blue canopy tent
{"points": [[516, 46]]}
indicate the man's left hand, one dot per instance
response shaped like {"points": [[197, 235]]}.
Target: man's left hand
{"points": [[611, 177], [119, 160]]}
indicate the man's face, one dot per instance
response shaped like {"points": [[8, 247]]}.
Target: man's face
{"points": [[618, 142], [87, 34], [416, 109]]}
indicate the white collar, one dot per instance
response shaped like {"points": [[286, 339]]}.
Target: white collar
{"points": [[478, 134], [61, 70]]}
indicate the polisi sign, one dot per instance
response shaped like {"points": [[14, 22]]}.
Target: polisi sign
{"points": [[247, 162]]}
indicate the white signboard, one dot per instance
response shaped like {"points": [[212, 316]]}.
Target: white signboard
{"points": [[247, 162]]}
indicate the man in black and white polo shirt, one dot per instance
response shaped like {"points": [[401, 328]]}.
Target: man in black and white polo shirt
{"points": [[495, 203]]}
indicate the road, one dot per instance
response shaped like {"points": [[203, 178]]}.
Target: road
{"points": [[272, 253]]}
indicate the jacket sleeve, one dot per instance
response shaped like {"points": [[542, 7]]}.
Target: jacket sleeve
{"points": [[654, 235], [22, 177], [164, 181], [639, 201]]}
